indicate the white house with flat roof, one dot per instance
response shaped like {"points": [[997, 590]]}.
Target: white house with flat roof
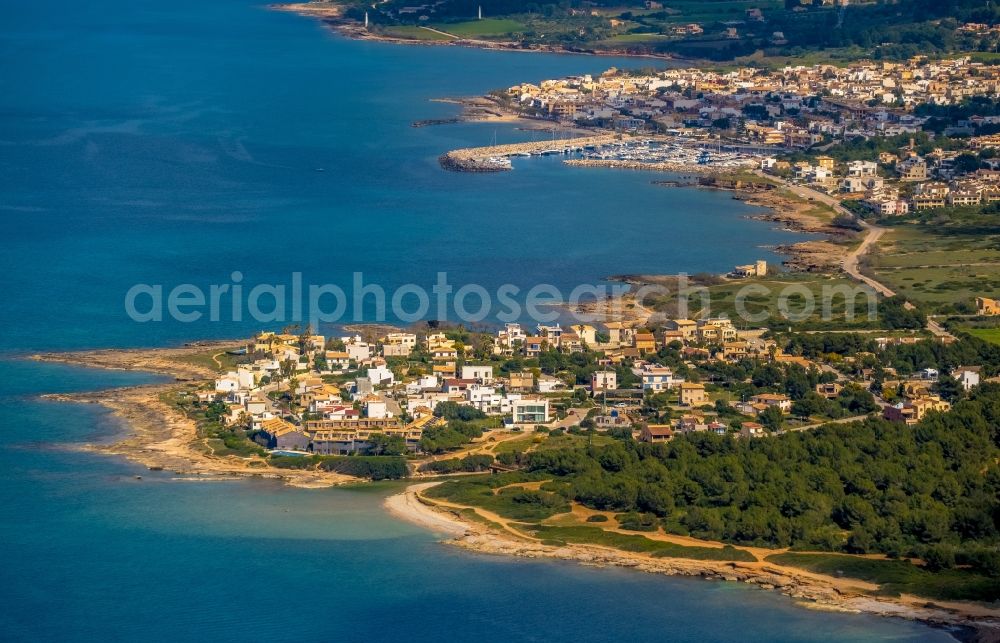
{"points": [[530, 410], [482, 374], [658, 378], [381, 376], [967, 376]]}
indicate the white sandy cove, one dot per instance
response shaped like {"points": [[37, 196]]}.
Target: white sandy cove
{"points": [[407, 506]]}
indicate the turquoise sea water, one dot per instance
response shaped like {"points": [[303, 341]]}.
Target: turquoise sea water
{"points": [[173, 142], [92, 553]]}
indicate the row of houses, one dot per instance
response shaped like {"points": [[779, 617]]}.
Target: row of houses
{"points": [[661, 433]]}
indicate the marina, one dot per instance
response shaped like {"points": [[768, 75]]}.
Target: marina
{"points": [[611, 150], [651, 151]]}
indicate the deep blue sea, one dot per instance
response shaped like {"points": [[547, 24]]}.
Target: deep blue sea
{"points": [[175, 142], [178, 141]]}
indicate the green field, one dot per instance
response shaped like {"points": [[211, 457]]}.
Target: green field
{"points": [[543, 442], [636, 543], [228, 362], [943, 285], [635, 37], [839, 57], [987, 57], [512, 503], [568, 441], [481, 28], [821, 211], [941, 268], [938, 258], [898, 576], [803, 301], [684, 11], [414, 33], [991, 335]]}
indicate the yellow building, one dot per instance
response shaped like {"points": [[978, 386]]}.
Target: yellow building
{"points": [[985, 306], [522, 382], [586, 332], [645, 342], [913, 411], [687, 328], [716, 330], [693, 394]]}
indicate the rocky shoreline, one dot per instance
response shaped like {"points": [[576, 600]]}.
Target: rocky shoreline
{"points": [[965, 621], [819, 255], [471, 165], [159, 437], [805, 256], [162, 361]]}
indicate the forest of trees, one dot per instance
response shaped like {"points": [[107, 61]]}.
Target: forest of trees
{"points": [[894, 30], [905, 358], [451, 436], [929, 491]]}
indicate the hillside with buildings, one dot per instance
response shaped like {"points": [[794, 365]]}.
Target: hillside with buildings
{"points": [[593, 412], [702, 29]]}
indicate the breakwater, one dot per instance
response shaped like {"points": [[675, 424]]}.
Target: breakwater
{"points": [[496, 158]]}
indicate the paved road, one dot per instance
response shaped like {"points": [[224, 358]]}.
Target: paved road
{"points": [[443, 33], [808, 427], [573, 417], [873, 234], [826, 368], [850, 265]]}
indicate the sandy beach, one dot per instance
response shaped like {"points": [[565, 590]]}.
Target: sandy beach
{"points": [[320, 10], [810, 590], [407, 506]]}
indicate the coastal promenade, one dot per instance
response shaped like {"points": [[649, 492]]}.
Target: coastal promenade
{"points": [[496, 158]]}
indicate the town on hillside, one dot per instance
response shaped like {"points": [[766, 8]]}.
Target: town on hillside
{"points": [[887, 138]]}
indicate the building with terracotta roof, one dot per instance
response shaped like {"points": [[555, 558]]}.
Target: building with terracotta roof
{"points": [[656, 433]]}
